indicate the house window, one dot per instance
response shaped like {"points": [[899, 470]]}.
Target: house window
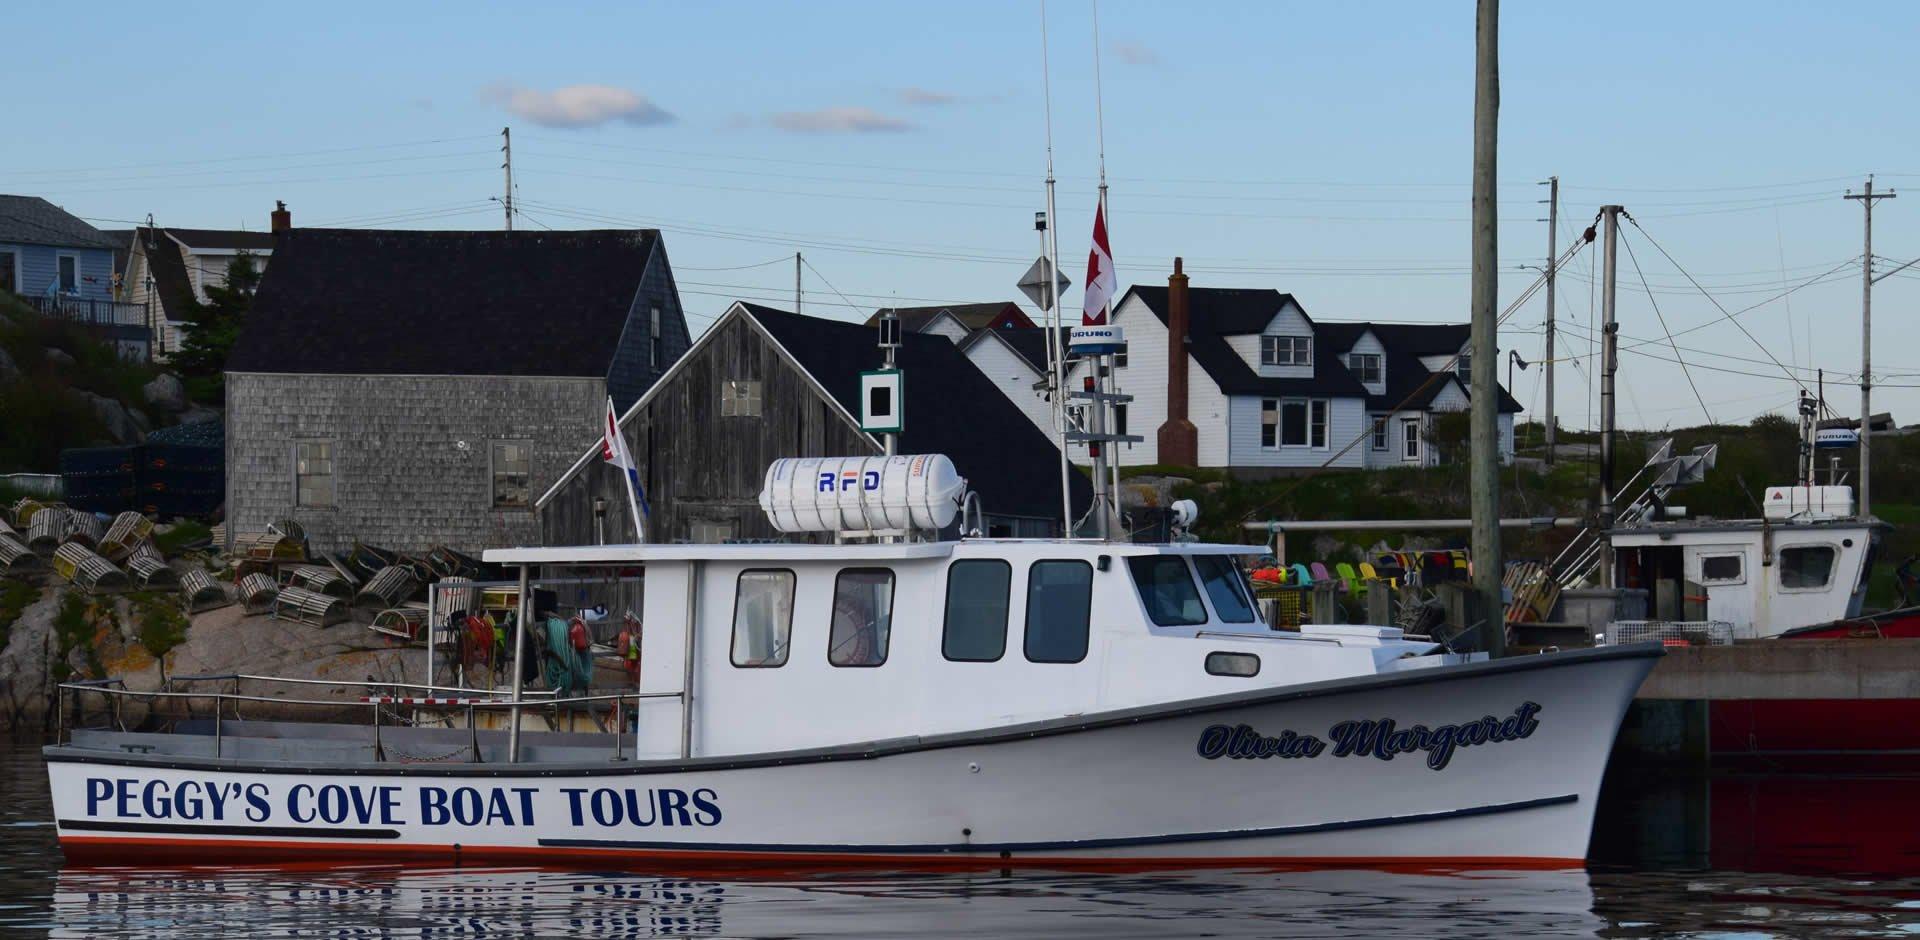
{"points": [[1379, 432], [1721, 569], [1166, 590], [1293, 422], [1120, 419], [1366, 367], [1286, 350], [69, 274], [1806, 567], [1410, 438], [708, 532], [862, 617], [1120, 359], [1059, 605], [739, 399], [512, 473], [1465, 368], [762, 618], [653, 338], [977, 600], [9, 272], [313, 474]]}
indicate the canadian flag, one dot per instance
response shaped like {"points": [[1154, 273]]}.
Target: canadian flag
{"points": [[1100, 279]]}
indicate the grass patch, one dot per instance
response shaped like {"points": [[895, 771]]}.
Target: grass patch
{"points": [[15, 596], [183, 534], [158, 620], [73, 629]]}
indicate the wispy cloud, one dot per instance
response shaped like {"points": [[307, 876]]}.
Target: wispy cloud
{"points": [[924, 97], [1133, 53], [838, 121], [579, 106]]}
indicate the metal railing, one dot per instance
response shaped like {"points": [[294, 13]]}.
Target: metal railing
{"points": [[114, 691], [89, 310]]}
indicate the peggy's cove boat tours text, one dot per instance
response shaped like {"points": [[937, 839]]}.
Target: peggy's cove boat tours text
{"points": [[896, 697]]}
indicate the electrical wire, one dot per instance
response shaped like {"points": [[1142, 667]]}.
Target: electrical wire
{"points": [[1669, 331]]}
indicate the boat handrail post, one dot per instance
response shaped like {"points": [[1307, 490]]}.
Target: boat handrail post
{"points": [[473, 731], [519, 646], [375, 705], [616, 726], [216, 725], [686, 664]]}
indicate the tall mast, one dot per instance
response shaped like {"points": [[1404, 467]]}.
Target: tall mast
{"points": [[1107, 362], [506, 147], [1867, 198], [1485, 404], [1056, 350], [1553, 227], [1609, 364]]}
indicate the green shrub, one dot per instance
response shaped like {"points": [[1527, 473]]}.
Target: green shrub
{"points": [[159, 621]]}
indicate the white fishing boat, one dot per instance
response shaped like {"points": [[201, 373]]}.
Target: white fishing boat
{"points": [[960, 702]]}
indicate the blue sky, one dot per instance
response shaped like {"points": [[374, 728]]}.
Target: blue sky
{"points": [[1318, 149]]}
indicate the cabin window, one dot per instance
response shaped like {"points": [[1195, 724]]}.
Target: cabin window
{"points": [[977, 601], [1059, 605], [739, 399], [1721, 569], [862, 617], [313, 473], [1244, 665], [1166, 588], [1379, 432], [1366, 367], [1806, 567], [1225, 587], [512, 468], [762, 618], [1286, 350]]}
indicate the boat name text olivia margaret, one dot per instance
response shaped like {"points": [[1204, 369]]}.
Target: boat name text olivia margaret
{"points": [[1376, 737]]}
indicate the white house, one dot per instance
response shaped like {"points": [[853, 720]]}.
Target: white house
{"points": [[170, 269], [1268, 389], [956, 322]]}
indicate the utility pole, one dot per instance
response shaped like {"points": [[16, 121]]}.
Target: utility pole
{"points": [[796, 282], [1553, 226], [1487, 567], [1867, 198], [506, 147], [1609, 364]]}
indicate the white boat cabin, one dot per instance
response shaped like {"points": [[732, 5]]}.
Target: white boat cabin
{"points": [[1805, 563], [798, 646]]}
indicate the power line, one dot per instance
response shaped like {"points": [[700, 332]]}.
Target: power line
{"points": [[263, 156], [1669, 331]]}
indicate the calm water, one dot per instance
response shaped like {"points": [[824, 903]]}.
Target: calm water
{"points": [[1730, 857]]}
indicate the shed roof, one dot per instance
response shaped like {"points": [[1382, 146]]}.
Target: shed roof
{"points": [[31, 220], [950, 407], [390, 302]]}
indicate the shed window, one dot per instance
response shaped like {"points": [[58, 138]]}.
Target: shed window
{"points": [[1059, 605], [1166, 588], [710, 532], [1225, 587], [762, 618], [739, 399], [512, 469], [977, 601], [653, 337], [1806, 567], [1721, 569], [313, 473], [862, 617], [1244, 665]]}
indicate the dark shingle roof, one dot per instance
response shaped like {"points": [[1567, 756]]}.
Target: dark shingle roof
{"points": [[971, 316], [122, 239], [1214, 313], [1405, 344], [951, 408], [169, 273], [31, 220], [223, 239], [443, 303], [1029, 343]]}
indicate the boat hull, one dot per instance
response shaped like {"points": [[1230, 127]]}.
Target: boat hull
{"points": [[1482, 764]]}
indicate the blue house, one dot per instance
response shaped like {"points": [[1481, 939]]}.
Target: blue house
{"points": [[64, 267]]}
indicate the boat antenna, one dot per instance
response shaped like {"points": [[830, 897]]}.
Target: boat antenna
{"points": [[1110, 376]]}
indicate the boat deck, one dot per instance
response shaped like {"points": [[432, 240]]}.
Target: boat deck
{"points": [[335, 744]]}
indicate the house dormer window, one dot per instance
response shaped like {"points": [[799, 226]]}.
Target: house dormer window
{"points": [[1286, 350], [1465, 368], [1366, 367]]}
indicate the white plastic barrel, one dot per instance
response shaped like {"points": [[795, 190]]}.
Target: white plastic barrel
{"points": [[862, 494]]}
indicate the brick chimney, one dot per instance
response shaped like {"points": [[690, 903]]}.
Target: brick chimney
{"points": [[1179, 440], [282, 219]]}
